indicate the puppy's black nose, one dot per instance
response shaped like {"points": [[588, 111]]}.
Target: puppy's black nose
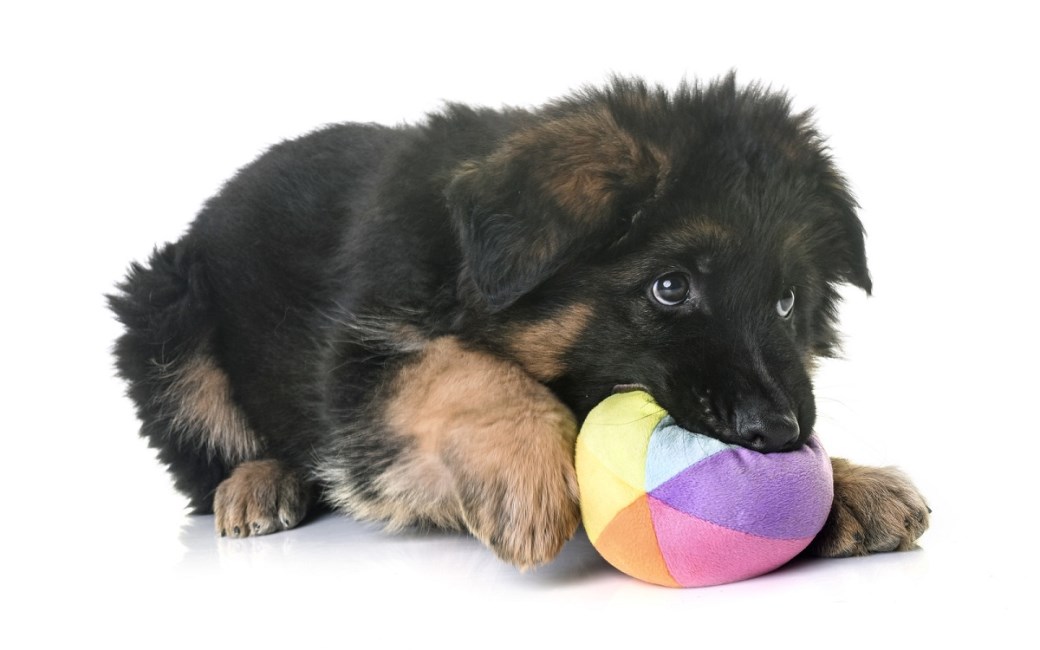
{"points": [[764, 429]]}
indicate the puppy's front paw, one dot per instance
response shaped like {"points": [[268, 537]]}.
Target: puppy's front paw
{"points": [[525, 525], [526, 512], [875, 510], [495, 448], [259, 497]]}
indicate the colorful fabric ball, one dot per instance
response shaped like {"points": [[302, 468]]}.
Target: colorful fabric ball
{"points": [[680, 509]]}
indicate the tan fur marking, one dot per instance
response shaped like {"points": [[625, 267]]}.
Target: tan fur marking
{"points": [[418, 488], [705, 232], [795, 239], [492, 450], [875, 509], [539, 347], [204, 408], [593, 156], [588, 158]]}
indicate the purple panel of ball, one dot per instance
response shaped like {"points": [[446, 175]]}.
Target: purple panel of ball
{"points": [[782, 495], [698, 553], [673, 449]]}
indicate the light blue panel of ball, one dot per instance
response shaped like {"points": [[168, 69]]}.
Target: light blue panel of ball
{"points": [[672, 449]]}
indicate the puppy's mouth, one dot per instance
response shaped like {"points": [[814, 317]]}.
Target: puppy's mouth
{"points": [[625, 388], [708, 417], [705, 420]]}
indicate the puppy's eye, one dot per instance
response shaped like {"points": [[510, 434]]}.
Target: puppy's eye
{"points": [[785, 305], [671, 288]]}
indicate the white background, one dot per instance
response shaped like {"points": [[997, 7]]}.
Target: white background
{"points": [[119, 120]]}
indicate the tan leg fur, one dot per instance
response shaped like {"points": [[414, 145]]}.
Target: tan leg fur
{"points": [[490, 448]]}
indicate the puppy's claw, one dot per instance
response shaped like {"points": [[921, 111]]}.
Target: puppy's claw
{"points": [[259, 497]]}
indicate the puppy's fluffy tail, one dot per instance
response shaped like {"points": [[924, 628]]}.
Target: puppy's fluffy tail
{"points": [[163, 306], [182, 395]]}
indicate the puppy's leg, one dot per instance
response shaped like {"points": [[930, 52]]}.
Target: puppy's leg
{"points": [[260, 497], [482, 446], [875, 510], [505, 441]]}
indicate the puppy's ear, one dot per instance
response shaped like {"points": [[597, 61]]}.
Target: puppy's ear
{"points": [[856, 271], [843, 232], [853, 259], [549, 194]]}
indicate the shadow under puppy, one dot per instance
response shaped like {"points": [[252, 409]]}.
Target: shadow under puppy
{"points": [[409, 323]]}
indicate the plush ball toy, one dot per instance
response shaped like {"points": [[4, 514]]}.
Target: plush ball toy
{"points": [[680, 509]]}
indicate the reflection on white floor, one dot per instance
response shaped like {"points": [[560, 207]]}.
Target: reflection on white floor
{"points": [[335, 571], [332, 542]]}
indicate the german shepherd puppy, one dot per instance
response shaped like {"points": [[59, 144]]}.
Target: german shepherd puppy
{"points": [[408, 324]]}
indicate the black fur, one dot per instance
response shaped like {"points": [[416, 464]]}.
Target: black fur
{"points": [[321, 268], [163, 307]]}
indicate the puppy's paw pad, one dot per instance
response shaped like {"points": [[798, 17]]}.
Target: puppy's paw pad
{"points": [[875, 510], [260, 497]]}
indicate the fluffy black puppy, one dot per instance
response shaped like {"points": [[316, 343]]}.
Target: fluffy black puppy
{"points": [[408, 323]]}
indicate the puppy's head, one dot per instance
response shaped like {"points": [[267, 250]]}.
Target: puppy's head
{"points": [[689, 243]]}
